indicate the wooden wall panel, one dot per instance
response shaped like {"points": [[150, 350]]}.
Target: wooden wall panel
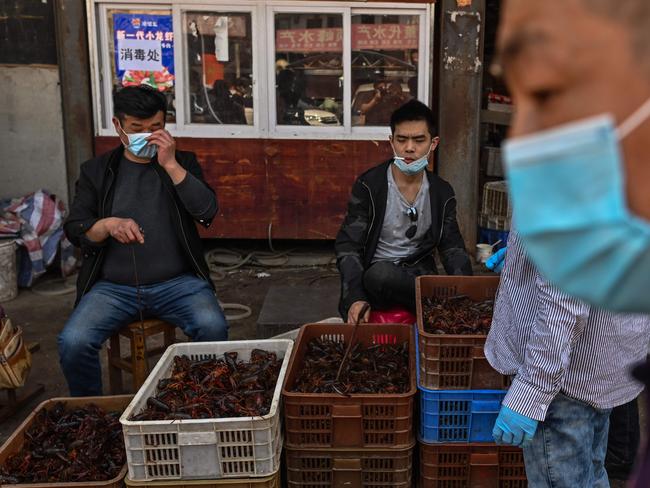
{"points": [[300, 187]]}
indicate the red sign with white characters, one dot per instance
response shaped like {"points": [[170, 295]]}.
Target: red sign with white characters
{"points": [[385, 37], [309, 40]]}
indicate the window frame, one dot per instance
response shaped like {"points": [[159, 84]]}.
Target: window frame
{"points": [[263, 42], [103, 76], [306, 131], [424, 86], [195, 129]]}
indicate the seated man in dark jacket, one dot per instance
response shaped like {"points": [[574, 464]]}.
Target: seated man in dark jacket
{"points": [[134, 217], [398, 214]]}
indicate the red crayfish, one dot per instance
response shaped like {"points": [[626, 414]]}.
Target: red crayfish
{"points": [[379, 368], [84, 444], [457, 315], [215, 388]]}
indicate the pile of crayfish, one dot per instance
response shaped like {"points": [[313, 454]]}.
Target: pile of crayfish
{"points": [[380, 368], [457, 315], [215, 388], [81, 445]]}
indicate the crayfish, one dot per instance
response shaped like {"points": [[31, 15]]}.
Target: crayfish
{"points": [[379, 368], [457, 315], [81, 445], [215, 388]]}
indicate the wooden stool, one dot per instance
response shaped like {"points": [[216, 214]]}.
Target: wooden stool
{"points": [[138, 362]]}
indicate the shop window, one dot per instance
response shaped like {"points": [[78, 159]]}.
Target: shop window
{"points": [[141, 51], [384, 61], [219, 67], [309, 69], [263, 68]]}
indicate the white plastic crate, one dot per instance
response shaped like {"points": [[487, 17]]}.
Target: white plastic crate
{"points": [[493, 222], [496, 201], [205, 448]]}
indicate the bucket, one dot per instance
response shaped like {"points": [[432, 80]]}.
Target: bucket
{"points": [[483, 252], [8, 277]]}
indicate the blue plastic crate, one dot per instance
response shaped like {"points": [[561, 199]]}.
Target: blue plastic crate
{"points": [[458, 416]]}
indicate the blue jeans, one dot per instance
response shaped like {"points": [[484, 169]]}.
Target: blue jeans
{"points": [[186, 301], [569, 447], [623, 441]]}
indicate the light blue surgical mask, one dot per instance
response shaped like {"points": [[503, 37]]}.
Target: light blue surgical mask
{"points": [[569, 205], [139, 146], [413, 167]]}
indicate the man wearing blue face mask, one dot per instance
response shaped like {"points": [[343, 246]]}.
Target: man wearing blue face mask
{"points": [[398, 215], [579, 160], [133, 216]]}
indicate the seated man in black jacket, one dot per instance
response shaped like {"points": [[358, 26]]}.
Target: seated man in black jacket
{"points": [[398, 214], [134, 217]]}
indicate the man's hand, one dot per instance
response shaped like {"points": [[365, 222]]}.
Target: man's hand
{"points": [[125, 231], [354, 311], [166, 147], [512, 428], [497, 260], [167, 154]]}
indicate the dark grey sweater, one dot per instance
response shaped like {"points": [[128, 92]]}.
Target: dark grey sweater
{"points": [[141, 196]]}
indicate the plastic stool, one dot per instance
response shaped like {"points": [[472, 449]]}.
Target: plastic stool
{"points": [[394, 315], [138, 362]]}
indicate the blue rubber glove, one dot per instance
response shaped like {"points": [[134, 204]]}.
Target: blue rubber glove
{"points": [[512, 428], [496, 261]]}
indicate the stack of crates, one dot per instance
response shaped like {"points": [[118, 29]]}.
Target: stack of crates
{"points": [[460, 398], [496, 213], [358, 440], [241, 452]]}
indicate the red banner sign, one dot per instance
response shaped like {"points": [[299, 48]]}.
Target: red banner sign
{"points": [[385, 37], [364, 36], [309, 40]]}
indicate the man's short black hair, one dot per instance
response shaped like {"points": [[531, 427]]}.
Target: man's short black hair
{"points": [[411, 111], [142, 102]]}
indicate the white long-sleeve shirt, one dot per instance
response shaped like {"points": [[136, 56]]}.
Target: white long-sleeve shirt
{"points": [[554, 343]]}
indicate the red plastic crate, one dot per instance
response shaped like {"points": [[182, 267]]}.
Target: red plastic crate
{"points": [[455, 362], [358, 468], [321, 420], [471, 466]]}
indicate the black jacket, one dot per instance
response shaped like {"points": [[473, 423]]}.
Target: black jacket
{"points": [[357, 240], [94, 200]]}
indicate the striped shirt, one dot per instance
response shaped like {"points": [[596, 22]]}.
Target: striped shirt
{"points": [[554, 343]]}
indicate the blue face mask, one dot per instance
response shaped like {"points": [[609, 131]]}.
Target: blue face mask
{"points": [[568, 193], [139, 146], [413, 167]]}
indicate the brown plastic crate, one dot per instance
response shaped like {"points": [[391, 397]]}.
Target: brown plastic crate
{"points": [[323, 420], [471, 466], [359, 468], [455, 362], [15, 443], [272, 481]]}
